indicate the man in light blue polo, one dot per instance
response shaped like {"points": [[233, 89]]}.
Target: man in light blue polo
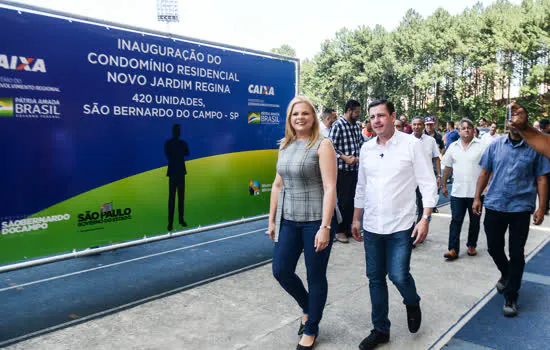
{"points": [[518, 175]]}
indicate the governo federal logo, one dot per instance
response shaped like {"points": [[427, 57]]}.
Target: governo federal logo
{"points": [[254, 118]]}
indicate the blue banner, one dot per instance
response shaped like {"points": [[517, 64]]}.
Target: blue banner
{"points": [[84, 105]]}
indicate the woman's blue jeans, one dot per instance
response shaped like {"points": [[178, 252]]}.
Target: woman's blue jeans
{"points": [[389, 255], [293, 238]]}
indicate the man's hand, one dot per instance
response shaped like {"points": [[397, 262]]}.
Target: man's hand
{"points": [[356, 230], [322, 239], [421, 231], [476, 207], [350, 160], [445, 190], [538, 218], [519, 117]]}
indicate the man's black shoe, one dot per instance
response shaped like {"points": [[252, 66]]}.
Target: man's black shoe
{"points": [[374, 339], [170, 228], [183, 223], [510, 308], [501, 284], [414, 317]]}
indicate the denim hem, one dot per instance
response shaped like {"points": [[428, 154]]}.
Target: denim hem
{"points": [[311, 335], [381, 331]]}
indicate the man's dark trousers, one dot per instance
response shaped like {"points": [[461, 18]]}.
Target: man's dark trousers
{"points": [[345, 188], [459, 206], [179, 187], [495, 225]]}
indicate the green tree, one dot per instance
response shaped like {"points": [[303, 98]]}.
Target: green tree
{"points": [[285, 50], [450, 66]]}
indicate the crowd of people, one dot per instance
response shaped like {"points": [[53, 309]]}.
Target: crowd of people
{"points": [[378, 182]]}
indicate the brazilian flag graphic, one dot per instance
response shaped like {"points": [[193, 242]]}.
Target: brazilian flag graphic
{"points": [[253, 117], [6, 107]]}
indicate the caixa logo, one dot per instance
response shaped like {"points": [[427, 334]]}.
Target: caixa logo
{"points": [[261, 90], [29, 64]]}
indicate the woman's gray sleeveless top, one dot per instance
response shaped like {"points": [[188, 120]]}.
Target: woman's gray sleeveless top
{"points": [[301, 198]]}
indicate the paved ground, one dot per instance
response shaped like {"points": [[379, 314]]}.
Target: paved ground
{"points": [[250, 311], [52, 296], [529, 330]]}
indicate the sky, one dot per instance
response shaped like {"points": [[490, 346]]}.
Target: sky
{"points": [[260, 25]]}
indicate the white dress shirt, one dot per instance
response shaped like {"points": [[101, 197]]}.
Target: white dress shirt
{"points": [[430, 146], [466, 168], [323, 129], [388, 177], [487, 139]]}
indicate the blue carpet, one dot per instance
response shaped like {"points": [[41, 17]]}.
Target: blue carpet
{"points": [[529, 330], [540, 264]]}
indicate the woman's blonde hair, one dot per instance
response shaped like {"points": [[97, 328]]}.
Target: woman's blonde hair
{"points": [[290, 133]]}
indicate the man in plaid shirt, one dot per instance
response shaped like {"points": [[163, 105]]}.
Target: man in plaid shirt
{"points": [[347, 140]]}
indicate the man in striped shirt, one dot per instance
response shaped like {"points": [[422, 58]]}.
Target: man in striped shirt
{"points": [[347, 140]]}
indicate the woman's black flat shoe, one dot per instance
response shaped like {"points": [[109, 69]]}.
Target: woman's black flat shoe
{"points": [[302, 347]]}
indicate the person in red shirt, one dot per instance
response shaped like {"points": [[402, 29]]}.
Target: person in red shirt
{"points": [[367, 131], [407, 128]]}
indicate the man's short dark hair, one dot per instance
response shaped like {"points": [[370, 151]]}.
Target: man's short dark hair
{"points": [[543, 123], [469, 122], [451, 123], [388, 104], [419, 118], [399, 120], [351, 104], [494, 123], [482, 118], [327, 113]]}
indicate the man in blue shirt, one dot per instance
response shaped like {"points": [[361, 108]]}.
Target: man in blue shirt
{"points": [[451, 135], [518, 175]]}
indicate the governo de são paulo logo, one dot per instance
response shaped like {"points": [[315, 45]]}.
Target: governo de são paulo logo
{"points": [[254, 118], [254, 187], [21, 63], [6, 107]]}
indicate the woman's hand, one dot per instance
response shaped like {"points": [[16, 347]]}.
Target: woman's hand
{"points": [[322, 239], [271, 231]]}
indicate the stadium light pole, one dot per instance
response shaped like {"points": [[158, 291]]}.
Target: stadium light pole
{"points": [[167, 11]]}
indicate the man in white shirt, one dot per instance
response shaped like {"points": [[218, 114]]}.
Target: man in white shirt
{"points": [[483, 127], [391, 166], [462, 158], [327, 118], [491, 136], [431, 149]]}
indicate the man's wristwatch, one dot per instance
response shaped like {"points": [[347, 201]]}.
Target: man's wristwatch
{"points": [[324, 226], [427, 217]]}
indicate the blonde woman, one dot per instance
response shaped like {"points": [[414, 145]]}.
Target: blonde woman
{"points": [[303, 201]]}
